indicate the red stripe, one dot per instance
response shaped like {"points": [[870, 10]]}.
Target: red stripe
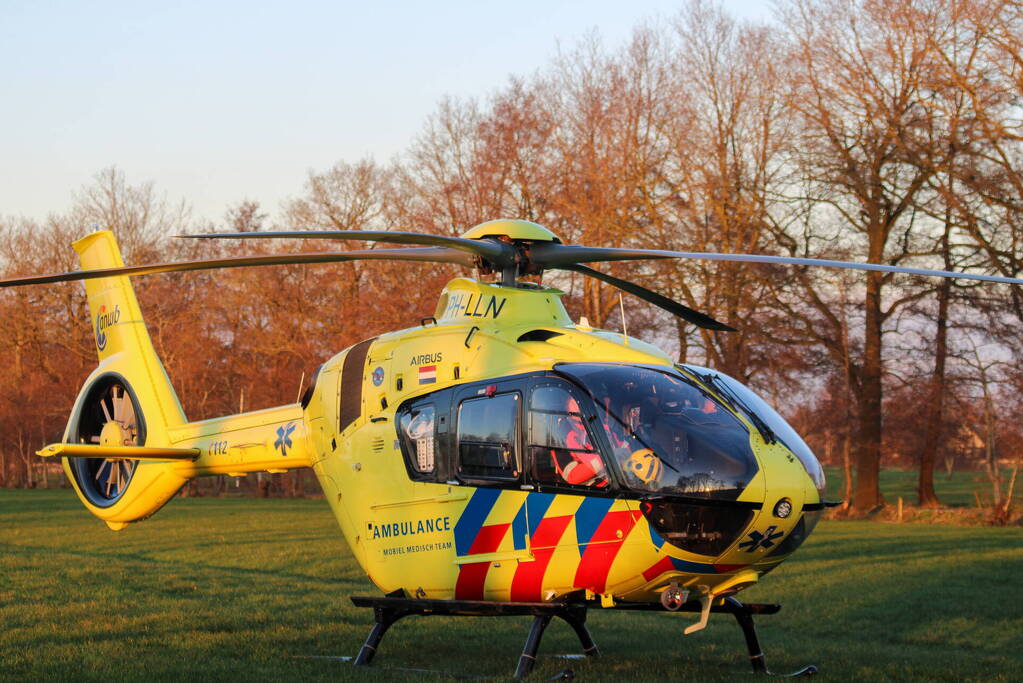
{"points": [[472, 576], [488, 540], [528, 580], [602, 549], [662, 565]]}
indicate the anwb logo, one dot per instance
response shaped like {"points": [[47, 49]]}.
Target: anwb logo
{"points": [[103, 321]]}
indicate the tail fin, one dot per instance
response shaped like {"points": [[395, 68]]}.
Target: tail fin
{"points": [[121, 336], [128, 400]]}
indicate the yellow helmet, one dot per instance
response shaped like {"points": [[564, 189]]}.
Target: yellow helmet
{"points": [[645, 465]]}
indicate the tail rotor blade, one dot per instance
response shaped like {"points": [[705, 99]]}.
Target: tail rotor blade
{"points": [[118, 400], [689, 315]]}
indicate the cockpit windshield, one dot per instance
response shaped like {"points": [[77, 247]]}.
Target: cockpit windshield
{"points": [[775, 423], [668, 436]]}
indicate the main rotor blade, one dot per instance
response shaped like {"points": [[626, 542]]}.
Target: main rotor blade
{"points": [[550, 255], [496, 252], [427, 254], [695, 317], [559, 255]]}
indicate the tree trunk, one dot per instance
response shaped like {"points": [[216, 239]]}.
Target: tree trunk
{"points": [[990, 453], [926, 496], [868, 448], [683, 340], [847, 469]]}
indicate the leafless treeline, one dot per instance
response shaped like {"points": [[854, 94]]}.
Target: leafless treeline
{"points": [[885, 131]]}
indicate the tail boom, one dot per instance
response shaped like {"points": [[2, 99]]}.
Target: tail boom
{"points": [[271, 440]]}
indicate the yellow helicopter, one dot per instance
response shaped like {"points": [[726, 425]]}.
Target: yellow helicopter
{"points": [[497, 459]]}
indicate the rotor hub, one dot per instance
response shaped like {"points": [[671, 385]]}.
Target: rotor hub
{"points": [[113, 434]]}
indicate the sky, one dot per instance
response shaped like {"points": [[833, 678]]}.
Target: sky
{"points": [[218, 102]]}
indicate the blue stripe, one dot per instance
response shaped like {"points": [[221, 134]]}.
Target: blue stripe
{"points": [[469, 524], [588, 517], [533, 509], [538, 504], [695, 567], [519, 528], [656, 538]]}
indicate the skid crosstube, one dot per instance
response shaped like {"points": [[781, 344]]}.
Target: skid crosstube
{"points": [[391, 608]]}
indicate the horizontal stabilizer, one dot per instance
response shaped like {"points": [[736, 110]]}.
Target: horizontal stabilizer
{"points": [[81, 450]]}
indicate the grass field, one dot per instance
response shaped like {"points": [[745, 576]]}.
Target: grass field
{"points": [[245, 589], [957, 491]]}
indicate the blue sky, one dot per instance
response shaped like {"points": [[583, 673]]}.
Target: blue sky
{"points": [[217, 102]]}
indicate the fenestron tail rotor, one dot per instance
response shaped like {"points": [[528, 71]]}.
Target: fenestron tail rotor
{"points": [[107, 418]]}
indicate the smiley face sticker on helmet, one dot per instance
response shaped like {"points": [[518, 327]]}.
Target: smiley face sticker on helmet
{"points": [[645, 465]]}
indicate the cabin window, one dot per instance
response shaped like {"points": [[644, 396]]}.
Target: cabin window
{"points": [[561, 447], [417, 427], [487, 443]]}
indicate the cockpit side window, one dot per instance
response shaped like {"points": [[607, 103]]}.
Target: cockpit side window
{"points": [[488, 438], [561, 449]]}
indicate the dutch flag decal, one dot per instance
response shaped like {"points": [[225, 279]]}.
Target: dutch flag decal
{"points": [[427, 374]]}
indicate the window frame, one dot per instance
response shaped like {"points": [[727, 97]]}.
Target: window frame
{"points": [[477, 392]]}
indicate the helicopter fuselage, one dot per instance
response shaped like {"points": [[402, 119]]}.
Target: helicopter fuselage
{"points": [[468, 507]]}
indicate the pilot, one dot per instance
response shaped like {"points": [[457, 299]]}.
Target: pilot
{"points": [[585, 467]]}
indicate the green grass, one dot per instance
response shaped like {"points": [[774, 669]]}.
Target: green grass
{"points": [[955, 492], [244, 589]]}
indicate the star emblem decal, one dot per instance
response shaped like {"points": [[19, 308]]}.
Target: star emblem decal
{"points": [[759, 540], [283, 442]]}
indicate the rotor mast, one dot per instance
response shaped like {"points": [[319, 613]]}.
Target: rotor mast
{"points": [[514, 262]]}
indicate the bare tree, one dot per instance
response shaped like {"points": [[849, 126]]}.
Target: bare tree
{"points": [[858, 91], [726, 161], [245, 217], [137, 215]]}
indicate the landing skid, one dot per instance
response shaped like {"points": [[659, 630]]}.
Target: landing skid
{"points": [[391, 608], [743, 613], [388, 610]]}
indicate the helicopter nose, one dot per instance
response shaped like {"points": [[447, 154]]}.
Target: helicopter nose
{"points": [[767, 538]]}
